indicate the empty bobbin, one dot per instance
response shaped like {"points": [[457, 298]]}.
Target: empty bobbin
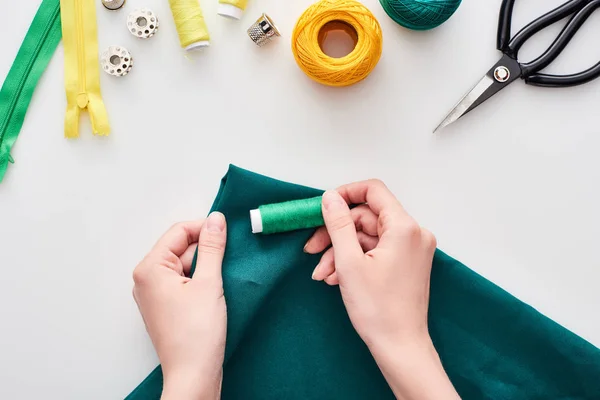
{"points": [[116, 61], [142, 23]]}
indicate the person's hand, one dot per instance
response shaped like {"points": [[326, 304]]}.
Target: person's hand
{"points": [[381, 258], [186, 318]]}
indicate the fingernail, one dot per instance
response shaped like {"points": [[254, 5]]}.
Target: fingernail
{"points": [[314, 272], [215, 222], [332, 200], [305, 246]]}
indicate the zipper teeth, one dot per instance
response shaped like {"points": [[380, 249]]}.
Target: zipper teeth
{"points": [[24, 77], [80, 47]]}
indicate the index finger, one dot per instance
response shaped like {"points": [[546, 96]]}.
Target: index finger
{"points": [[373, 192], [180, 236], [392, 218]]}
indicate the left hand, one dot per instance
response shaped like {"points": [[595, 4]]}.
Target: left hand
{"points": [[186, 318]]}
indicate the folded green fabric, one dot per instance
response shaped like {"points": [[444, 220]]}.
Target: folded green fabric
{"points": [[290, 337]]}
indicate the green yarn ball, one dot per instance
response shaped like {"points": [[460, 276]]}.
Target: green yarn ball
{"points": [[420, 15]]}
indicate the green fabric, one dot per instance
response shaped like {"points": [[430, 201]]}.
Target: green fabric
{"points": [[32, 59], [290, 338]]}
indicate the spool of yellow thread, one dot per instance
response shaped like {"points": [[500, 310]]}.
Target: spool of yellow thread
{"points": [[189, 21], [232, 8], [313, 27]]}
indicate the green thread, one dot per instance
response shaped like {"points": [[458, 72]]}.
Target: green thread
{"points": [[420, 15], [292, 215]]}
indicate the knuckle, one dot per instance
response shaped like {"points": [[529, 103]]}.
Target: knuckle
{"points": [[340, 222], [358, 223], [139, 275], [376, 183], [388, 219], [429, 239], [411, 229], [211, 245], [168, 257], [177, 227]]}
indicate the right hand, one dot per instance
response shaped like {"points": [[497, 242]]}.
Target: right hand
{"points": [[381, 258]]}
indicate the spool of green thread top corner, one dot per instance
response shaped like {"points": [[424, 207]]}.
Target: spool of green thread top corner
{"points": [[288, 216], [420, 15]]}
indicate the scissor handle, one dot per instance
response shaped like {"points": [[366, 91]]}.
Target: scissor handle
{"points": [[505, 25], [580, 11], [580, 78], [511, 46]]}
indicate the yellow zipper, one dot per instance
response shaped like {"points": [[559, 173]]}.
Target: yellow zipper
{"points": [[82, 71]]}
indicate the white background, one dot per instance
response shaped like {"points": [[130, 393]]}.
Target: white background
{"points": [[511, 189]]}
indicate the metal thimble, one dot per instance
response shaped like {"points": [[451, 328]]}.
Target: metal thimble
{"points": [[263, 30], [113, 4]]}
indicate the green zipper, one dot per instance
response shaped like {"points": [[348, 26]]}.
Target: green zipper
{"points": [[32, 59]]}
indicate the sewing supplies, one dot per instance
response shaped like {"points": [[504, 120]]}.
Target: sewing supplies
{"points": [[142, 23], [508, 69], [116, 61], [287, 216], [82, 70], [35, 53], [420, 15], [113, 4], [312, 28], [189, 21], [263, 30], [232, 8]]}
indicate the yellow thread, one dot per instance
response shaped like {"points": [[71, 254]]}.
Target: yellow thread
{"points": [[346, 70], [241, 4], [189, 22]]}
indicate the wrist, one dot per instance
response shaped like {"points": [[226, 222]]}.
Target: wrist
{"points": [[381, 341], [403, 349], [413, 369], [187, 385]]}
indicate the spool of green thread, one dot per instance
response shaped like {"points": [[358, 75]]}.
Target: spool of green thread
{"points": [[288, 216], [420, 15]]}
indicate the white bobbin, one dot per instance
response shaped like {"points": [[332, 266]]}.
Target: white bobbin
{"points": [[116, 61], [142, 23]]}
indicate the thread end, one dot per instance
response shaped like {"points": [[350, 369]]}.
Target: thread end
{"points": [[230, 11], [256, 221]]}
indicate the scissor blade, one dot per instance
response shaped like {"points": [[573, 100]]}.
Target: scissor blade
{"points": [[466, 103]]}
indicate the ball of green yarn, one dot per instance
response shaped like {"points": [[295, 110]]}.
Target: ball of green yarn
{"points": [[420, 15]]}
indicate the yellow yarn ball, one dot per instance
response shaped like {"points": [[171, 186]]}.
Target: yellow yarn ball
{"points": [[346, 70]]}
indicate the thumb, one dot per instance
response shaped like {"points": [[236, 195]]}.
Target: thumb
{"points": [[211, 247], [340, 226]]}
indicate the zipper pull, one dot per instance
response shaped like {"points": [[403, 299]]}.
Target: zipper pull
{"points": [[82, 100], [5, 158]]}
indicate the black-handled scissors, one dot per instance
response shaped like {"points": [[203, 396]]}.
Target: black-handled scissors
{"points": [[508, 69]]}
